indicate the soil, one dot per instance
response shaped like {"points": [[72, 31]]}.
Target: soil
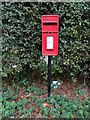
{"points": [[68, 88]]}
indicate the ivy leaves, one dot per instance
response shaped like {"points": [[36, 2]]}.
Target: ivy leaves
{"points": [[22, 36]]}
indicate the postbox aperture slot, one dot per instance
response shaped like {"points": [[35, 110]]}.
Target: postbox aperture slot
{"points": [[51, 23], [50, 26]]}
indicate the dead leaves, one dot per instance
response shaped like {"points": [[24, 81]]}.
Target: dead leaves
{"points": [[74, 117], [38, 109], [46, 105]]}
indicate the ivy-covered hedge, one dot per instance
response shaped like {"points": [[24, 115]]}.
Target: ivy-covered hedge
{"points": [[21, 33]]}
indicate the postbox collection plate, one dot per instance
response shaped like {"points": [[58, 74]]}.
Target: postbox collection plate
{"points": [[49, 41]]}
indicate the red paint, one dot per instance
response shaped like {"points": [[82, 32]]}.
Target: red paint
{"points": [[50, 28]]}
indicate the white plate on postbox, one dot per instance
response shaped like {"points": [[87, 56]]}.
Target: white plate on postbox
{"points": [[50, 42]]}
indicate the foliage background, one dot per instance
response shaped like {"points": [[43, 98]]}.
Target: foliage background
{"points": [[21, 30]]}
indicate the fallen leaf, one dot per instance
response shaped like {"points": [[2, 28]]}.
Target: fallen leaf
{"points": [[28, 95], [38, 109], [46, 105], [74, 116], [20, 97]]}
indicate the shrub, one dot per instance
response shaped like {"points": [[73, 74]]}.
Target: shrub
{"points": [[21, 31]]}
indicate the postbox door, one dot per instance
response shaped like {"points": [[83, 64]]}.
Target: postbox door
{"points": [[50, 44]]}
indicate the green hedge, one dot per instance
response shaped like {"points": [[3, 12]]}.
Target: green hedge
{"points": [[21, 31]]}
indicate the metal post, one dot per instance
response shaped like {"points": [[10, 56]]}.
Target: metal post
{"points": [[49, 75]]}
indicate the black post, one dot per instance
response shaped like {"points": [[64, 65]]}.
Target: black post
{"points": [[49, 75]]}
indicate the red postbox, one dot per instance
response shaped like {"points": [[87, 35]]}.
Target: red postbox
{"points": [[50, 25]]}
